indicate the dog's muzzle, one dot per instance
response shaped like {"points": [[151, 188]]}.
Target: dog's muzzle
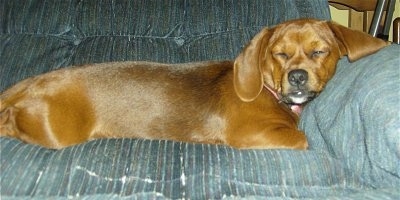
{"points": [[298, 93]]}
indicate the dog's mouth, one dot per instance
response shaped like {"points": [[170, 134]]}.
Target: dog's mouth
{"points": [[295, 99], [298, 97]]}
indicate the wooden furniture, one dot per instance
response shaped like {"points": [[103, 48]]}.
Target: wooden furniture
{"points": [[360, 12], [370, 13], [396, 30]]}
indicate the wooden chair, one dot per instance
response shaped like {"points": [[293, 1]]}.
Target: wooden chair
{"points": [[372, 14]]}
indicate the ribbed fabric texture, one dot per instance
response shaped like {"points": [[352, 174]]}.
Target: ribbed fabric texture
{"points": [[147, 169], [352, 128], [356, 118], [38, 36]]}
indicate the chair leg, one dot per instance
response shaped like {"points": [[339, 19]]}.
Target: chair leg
{"points": [[396, 30], [377, 17], [388, 19], [378, 14]]}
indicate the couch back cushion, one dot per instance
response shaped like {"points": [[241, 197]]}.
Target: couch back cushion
{"points": [[39, 36]]}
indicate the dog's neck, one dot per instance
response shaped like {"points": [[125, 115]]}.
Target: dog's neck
{"points": [[294, 108], [276, 95]]}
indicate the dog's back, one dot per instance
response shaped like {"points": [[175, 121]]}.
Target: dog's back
{"points": [[132, 99], [161, 101]]}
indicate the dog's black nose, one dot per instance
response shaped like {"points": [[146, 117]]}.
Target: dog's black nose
{"points": [[298, 77]]}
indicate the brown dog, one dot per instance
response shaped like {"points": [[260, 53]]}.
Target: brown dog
{"points": [[242, 103]]}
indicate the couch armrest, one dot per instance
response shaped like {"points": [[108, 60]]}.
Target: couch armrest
{"points": [[356, 118]]}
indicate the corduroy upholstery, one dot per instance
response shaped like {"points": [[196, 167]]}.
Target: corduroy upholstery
{"points": [[353, 127]]}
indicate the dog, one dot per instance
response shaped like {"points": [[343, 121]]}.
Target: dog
{"points": [[251, 102]]}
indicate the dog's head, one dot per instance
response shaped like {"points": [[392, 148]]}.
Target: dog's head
{"points": [[296, 59]]}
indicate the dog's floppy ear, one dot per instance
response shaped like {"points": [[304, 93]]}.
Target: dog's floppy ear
{"points": [[355, 44], [248, 80]]}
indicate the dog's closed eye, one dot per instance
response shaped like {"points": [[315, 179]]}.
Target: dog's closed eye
{"points": [[317, 53], [282, 55]]}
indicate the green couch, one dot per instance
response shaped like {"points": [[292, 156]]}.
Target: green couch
{"points": [[353, 127]]}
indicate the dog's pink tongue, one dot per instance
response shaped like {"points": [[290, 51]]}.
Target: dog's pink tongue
{"points": [[296, 109]]}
